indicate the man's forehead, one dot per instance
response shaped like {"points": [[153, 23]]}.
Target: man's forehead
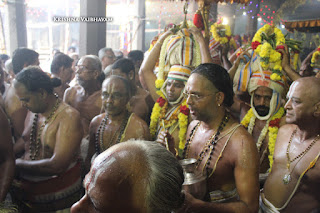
{"points": [[199, 83], [113, 84], [293, 88]]}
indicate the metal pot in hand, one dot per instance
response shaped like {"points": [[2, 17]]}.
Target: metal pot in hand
{"points": [[194, 181]]}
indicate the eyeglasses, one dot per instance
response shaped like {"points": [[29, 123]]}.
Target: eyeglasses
{"points": [[196, 97], [82, 68]]}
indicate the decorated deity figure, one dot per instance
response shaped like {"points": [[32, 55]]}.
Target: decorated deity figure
{"points": [[179, 54], [293, 183], [220, 43]]}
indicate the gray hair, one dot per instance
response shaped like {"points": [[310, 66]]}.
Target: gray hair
{"points": [[8, 66], [95, 63], [103, 51], [164, 179]]}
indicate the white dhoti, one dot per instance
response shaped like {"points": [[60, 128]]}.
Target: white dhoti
{"points": [[266, 206]]}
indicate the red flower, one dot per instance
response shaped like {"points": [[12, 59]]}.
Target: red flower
{"points": [[275, 123], [185, 110], [318, 49], [197, 20], [280, 47], [255, 44], [161, 101]]}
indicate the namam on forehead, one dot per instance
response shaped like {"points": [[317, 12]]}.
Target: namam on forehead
{"points": [[120, 173], [305, 89], [114, 84]]}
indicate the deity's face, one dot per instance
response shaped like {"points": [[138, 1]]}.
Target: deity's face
{"points": [[85, 72], [261, 100], [33, 101], [110, 186], [114, 96], [174, 88], [300, 104], [201, 97]]}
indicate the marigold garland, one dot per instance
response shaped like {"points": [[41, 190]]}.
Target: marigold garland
{"points": [[265, 43], [272, 125], [216, 28], [315, 57], [158, 113]]}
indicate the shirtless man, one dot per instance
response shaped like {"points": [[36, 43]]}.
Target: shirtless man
{"points": [[7, 157], [141, 102], [116, 124], [134, 176], [86, 97], [224, 150], [61, 67], [48, 174], [137, 58], [294, 184], [22, 57]]}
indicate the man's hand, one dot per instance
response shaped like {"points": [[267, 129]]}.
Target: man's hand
{"points": [[166, 140], [196, 33], [190, 204]]}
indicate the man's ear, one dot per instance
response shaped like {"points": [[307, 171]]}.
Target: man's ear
{"points": [[131, 75], [43, 93], [316, 112], [219, 98]]}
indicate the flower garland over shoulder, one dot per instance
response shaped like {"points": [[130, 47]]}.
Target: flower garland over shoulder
{"points": [[315, 57], [221, 32], [266, 42], [158, 112], [272, 124]]}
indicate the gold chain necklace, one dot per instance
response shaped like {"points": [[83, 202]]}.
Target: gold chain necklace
{"points": [[287, 177], [36, 141]]}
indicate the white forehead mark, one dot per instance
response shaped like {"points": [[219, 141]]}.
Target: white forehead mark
{"points": [[292, 89]]}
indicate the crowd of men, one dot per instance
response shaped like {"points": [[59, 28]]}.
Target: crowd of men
{"points": [[101, 134]]}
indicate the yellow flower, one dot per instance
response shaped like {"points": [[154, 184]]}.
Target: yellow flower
{"points": [[275, 56], [159, 83], [275, 77], [273, 130], [315, 56], [214, 31]]}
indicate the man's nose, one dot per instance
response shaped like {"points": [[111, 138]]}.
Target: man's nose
{"points": [[288, 104], [80, 206]]}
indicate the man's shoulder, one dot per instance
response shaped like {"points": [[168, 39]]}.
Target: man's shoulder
{"points": [[67, 112], [136, 121]]}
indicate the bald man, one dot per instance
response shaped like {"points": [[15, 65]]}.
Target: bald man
{"points": [[152, 184], [294, 184]]}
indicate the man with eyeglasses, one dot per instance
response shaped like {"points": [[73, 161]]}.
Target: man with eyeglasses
{"points": [[116, 124], [225, 152], [106, 56], [86, 96]]}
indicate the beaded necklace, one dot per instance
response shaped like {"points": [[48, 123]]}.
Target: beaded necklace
{"points": [[210, 144], [35, 139], [287, 177], [99, 135]]}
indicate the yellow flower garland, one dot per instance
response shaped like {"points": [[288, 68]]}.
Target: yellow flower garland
{"points": [[266, 52], [214, 30], [315, 56], [183, 119], [273, 130]]}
